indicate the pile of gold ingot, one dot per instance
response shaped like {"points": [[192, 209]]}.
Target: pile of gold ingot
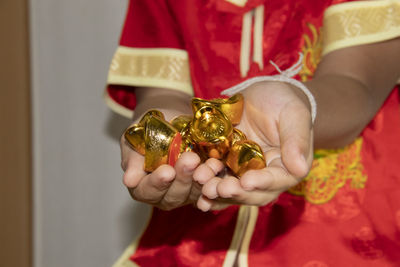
{"points": [[209, 132]]}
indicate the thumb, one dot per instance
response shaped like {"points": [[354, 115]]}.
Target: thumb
{"points": [[296, 138], [132, 165]]}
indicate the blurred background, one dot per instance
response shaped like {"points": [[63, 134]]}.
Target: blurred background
{"points": [[62, 202]]}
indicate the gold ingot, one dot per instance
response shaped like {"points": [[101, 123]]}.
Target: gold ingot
{"points": [[217, 151], [243, 156], [134, 135], [237, 136], [151, 112], [211, 131], [231, 107], [183, 123], [162, 143]]}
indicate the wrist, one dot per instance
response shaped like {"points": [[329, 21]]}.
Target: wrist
{"points": [[302, 96], [283, 76], [170, 102], [168, 112]]}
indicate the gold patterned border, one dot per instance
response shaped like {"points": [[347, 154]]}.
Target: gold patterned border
{"points": [[362, 22], [151, 67]]}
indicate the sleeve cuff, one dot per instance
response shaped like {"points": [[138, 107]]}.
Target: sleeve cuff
{"points": [[151, 67], [361, 22]]}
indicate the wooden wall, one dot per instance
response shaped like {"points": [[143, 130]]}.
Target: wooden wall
{"points": [[15, 136]]}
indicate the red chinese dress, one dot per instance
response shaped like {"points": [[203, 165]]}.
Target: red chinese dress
{"points": [[347, 211]]}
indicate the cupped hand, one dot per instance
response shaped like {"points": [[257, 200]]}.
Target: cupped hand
{"points": [[277, 116], [167, 187]]}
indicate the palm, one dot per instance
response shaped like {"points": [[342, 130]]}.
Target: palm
{"points": [[278, 119], [266, 107]]}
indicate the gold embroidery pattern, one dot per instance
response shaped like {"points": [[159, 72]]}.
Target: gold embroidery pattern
{"points": [[331, 170], [157, 67], [312, 52], [363, 22]]}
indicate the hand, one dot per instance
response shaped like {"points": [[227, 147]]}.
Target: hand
{"points": [[277, 117], [167, 187]]}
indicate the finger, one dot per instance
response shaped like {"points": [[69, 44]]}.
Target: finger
{"points": [[133, 166], [256, 198], [229, 187], [208, 170], [204, 203], [295, 129], [126, 151], [180, 189], [218, 205], [210, 188], [195, 192], [272, 178], [152, 187], [231, 192], [272, 157]]}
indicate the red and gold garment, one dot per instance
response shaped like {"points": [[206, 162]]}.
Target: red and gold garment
{"points": [[347, 211]]}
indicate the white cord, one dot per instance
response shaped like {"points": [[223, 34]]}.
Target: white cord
{"points": [[283, 76]]}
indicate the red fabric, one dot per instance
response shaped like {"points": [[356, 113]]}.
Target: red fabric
{"points": [[358, 227], [123, 95], [210, 31], [186, 237], [151, 24]]}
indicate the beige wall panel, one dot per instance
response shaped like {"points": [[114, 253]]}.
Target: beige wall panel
{"points": [[83, 215]]}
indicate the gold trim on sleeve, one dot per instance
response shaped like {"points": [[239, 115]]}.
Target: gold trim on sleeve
{"points": [[362, 22], [151, 67]]}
